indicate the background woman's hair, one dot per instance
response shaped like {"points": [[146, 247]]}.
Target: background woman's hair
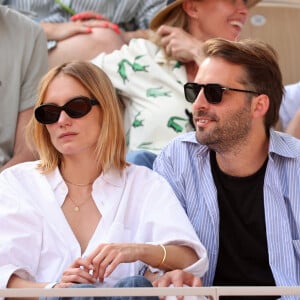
{"points": [[176, 18]]}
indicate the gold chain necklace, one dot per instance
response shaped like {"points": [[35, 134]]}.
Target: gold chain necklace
{"points": [[77, 184], [76, 205]]}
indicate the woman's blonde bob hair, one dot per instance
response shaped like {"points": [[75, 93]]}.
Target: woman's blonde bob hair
{"points": [[110, 150]]}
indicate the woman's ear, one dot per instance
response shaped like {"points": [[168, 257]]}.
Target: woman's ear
{"points": [[260, 105], [191, 8]]}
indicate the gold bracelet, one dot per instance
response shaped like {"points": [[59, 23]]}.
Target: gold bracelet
{"points": [[164, 256]]}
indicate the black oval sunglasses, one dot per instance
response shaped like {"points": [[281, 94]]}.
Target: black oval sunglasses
{"points": [[213, 91], [75, 108]]}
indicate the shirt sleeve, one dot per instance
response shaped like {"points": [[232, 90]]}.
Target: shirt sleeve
{"points": [[129, 67], [37, 65], [21, 234], [167, 222], [163, 165]]}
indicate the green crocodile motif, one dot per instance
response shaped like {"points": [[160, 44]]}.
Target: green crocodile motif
{"points": [[177, 65], [172, 124], [122, 69], [157, 92], [137, 122], [135, 66]]}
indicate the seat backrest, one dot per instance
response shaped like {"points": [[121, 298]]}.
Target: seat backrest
{"points": [[278, 23]]}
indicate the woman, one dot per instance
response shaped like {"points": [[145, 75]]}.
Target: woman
{"points": [[151, 84], [87, 217]]}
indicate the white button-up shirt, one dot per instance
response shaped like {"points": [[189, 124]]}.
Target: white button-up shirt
{"points": [[37, 243]]}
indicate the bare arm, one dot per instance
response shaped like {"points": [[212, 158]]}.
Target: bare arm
{"points": [[137, 34], [77, 272], [21, 150], [106, 257], [17, 282]]}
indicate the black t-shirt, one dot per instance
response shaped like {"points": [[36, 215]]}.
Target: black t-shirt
{"points": [[243, 252]]}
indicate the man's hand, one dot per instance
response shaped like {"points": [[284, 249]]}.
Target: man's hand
{"points": [[177, 278]]}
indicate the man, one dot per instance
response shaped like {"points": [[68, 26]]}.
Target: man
{"points": [[23, 61], [237, 179]]}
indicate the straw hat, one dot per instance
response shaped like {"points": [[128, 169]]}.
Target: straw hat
{"points": [[159, 18]]}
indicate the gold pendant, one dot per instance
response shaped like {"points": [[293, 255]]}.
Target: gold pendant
{"points": [[76, 208]]}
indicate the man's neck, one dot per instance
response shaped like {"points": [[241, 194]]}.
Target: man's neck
{"points": [[244, 161]]}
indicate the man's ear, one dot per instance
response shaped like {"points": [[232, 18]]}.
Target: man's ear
{"points": [[260, 105]]}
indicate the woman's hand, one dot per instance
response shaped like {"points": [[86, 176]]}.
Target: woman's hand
{"points": [[92, 19], [106, 257], [180, 44], [62, 31], [79, 272], [87, 15]]}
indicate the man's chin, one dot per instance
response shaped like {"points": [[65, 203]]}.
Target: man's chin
{"points": [[201, 139]]}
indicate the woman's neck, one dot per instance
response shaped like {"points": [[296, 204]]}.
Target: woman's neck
{"points": [[79, 172]]}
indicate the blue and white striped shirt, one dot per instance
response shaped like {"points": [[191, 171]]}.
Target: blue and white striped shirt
{"points": [[129, 14], [185, 164]]}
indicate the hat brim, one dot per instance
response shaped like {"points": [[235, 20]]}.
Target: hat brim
{"points": [[159, 18], [252, 3]]}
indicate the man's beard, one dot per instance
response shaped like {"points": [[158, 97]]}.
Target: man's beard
{"points": [[228, 134]]}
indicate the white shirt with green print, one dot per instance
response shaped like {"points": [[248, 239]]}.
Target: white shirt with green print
{"points": [[152, 89]]}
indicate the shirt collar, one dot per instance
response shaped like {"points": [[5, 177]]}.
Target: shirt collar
{"points": [[280, 144], [112, 176], [190, 137], [284, 145]]}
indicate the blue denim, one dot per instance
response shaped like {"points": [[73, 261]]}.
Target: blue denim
{"points": [[141, 158], [128, 282]]}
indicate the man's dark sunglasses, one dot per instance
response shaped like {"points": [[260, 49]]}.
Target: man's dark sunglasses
{"points": [[75, 108], [213, 92]]}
